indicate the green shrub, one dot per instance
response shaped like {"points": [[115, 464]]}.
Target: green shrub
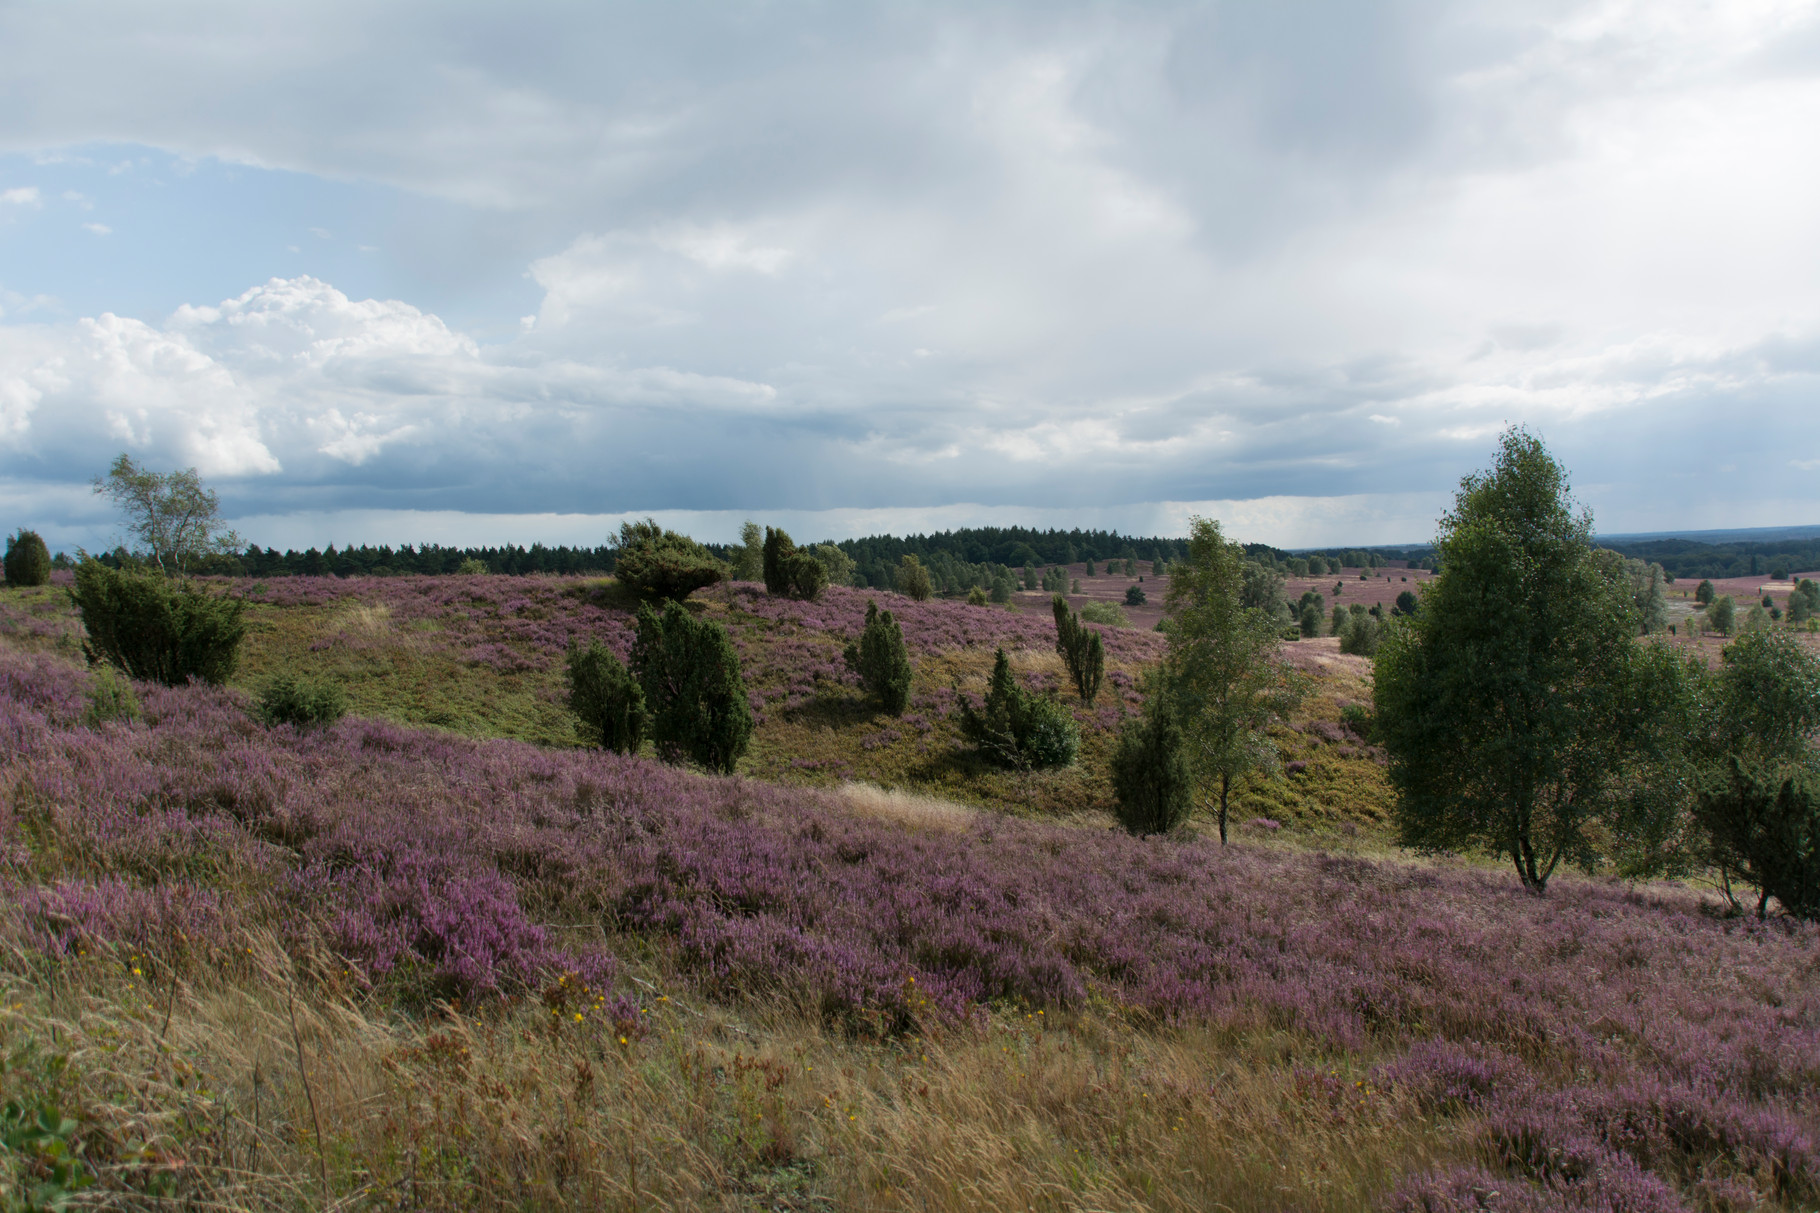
{"points": [[1018, 729], [1003, 587], [605, 698], [302, 702], [1308, 622], [1107, 614], [913, 579], [110, 698], [1151, 776], [1767, 827], [1407, 603], [882, 660], [805, 577], [1030, 581], [28, 561], [1135, 596], [1357, 717], [838, 564], [1089, 572], [657, 564], [1722, 616], [1361, 634], [977, 596], [1081, 649], [794, 572], [1704, 592], [472, 567], [778, 547], [694, 693], [156, 629]]}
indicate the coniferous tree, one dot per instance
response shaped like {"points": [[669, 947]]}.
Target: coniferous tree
{"points": [[882, 660], [157, 629], [693, 689], [658, 564], [28, 561], [1082, 651], [606, 698], [1151, 774], [1017, 729]]}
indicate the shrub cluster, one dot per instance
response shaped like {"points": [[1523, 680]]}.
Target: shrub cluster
{"points": [[791, 572], [1135, 596], [302, 702], [658, 564], [882, 660], [1018, 729], [606, 698], [693, 688], [156, 629], [28, 561], [1081, 650]]}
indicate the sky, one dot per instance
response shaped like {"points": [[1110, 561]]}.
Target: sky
{"points": [[485, 273]]}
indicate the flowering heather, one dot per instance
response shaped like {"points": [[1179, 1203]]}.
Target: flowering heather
{"points": [[1605, 1047]]}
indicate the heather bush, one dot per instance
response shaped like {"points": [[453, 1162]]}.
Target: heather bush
{"points": [[913, 579], [1151, 778], [1082, 651], [1135, 596], [696, 697], [1109, 614], [155, 629], [302, 702], [28, 561], [1017, 729], [110, 698], [605, 698], [882, 661], [658, 564]]}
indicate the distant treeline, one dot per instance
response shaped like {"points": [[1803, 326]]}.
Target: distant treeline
{"points": [[981, 550], [875, 558], [1687, 558], [386, 561]]}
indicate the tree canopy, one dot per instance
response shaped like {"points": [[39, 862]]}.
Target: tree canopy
{"points": [[1220, 672], [1518, 713]]}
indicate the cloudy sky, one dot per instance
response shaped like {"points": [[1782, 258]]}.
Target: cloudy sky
{"points": [[405, 271]]}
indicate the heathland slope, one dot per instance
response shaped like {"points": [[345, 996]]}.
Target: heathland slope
{"points": [[387, 965]]}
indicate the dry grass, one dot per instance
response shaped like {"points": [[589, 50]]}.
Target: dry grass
{"points": [[537, 1105], [913, 810]]}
